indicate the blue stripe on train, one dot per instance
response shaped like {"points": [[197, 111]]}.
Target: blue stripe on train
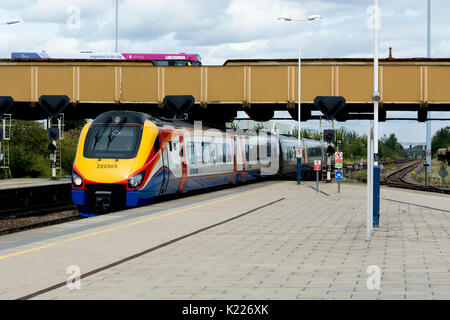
{"points": [[146, 195]]}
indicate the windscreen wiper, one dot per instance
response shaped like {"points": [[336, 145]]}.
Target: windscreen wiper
{"points": [[116, 129], [98, 136]]}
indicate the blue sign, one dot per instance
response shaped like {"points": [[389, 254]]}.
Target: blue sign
{"points": [[339, 175]]}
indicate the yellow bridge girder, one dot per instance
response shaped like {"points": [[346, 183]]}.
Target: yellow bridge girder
{"points": [[242, 82]]}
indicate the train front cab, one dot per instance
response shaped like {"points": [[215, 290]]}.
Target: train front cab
{"points": [[116, 154]]}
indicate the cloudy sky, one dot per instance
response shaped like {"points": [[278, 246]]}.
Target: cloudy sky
{"points": [[225, 29]]}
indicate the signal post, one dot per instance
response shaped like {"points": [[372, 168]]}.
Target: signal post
{"points": [[339, 164]]}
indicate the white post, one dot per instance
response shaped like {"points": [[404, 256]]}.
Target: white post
{"points": [[369, 182], [299, 81], [371, 172], [428, 154], [375, 84], [117, 24], [299, 160]]}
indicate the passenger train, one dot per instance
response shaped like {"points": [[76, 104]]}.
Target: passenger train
{"points": [[159, 59], [126, 159]]}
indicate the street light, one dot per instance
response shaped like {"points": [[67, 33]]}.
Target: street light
{"points": [[428, 133], [117, 23], [310, 18], [375, 169]]}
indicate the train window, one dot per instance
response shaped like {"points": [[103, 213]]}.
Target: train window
{"points": [[206, 152], [161, 63], [156, 146], [269, 146], [246, 149], [191, 152], [181, 63], [228, 153], [212, 150], [106, 141], [170, 146], [224, 147]]}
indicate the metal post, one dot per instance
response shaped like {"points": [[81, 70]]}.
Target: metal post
{"points": [[428, 154], [338, 149], [317, 181], [299, 160], [117, 24], [376, 98], [369, 223], [54, 162], [375, 86]]}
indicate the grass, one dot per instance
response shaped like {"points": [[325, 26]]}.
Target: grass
{"points": [[434, 177]]}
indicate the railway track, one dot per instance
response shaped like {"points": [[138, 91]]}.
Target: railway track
{"points": [[397, 179], [53, 216]]}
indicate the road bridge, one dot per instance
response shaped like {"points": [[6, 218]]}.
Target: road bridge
{"points": [[258, 87]]}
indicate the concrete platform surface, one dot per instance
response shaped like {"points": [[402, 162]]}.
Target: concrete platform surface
{"points": [[289, 243], [30, 182]]}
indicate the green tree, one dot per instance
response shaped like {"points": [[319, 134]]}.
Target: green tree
{"points": [[28, 150], [259, 126], [354, 146], [74, 124], [69, 149], [29, 155], [440, 140], [390, 148]]}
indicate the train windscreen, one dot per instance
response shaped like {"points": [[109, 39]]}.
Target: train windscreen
{"points": [[113, 141]]}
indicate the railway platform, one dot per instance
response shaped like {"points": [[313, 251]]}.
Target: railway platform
{"points": [[29, 197], [267, 240], [30, 183]]}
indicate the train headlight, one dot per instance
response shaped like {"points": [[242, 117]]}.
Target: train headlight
{"points": [[136, 180], [76, 179]]}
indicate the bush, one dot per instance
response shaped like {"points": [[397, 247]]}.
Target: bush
{"points": [[29, 155]]}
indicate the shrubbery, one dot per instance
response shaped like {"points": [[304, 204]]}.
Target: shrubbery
{"points": [[29, 155]]}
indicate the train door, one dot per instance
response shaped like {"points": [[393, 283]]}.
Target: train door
{"points": [[175, 162], [165, 170], [183, 163], [239, 157]]}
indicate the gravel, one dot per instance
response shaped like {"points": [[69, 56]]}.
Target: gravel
{"points": [[12, 223]]}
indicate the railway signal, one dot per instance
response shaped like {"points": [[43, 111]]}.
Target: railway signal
{"points": [[6, 102], [54, 105], [329, 135], [331, 107]]}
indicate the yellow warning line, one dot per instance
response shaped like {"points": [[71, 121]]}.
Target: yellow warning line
{"points": [[83, 236]]}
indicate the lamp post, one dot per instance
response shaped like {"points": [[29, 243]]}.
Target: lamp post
{"points": [[117, 24], [428, 154], [376, 99], [310, 18]]}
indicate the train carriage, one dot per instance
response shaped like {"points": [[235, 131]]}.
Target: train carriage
{"points": [[125, 159]]}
